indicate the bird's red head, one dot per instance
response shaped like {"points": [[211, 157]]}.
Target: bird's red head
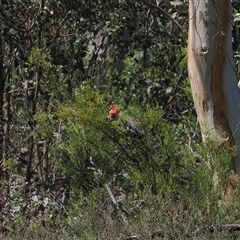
{"points": [[113, 111]]}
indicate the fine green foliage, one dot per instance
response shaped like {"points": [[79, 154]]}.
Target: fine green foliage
{"points": [[98, 150], [67, 170], [146, 173]]}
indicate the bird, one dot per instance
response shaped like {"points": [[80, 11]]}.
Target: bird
{"points": [[114, 114], [113, 111], [133, 128]]}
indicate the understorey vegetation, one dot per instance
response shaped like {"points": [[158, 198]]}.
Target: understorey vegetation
{"points": [[67, 170]]}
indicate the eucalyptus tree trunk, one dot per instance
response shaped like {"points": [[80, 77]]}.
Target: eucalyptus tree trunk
{"points": [[211, 71], [2, 84]]}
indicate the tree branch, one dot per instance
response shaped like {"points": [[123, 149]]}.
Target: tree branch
{"points": [[162, 11], [219, 228]]}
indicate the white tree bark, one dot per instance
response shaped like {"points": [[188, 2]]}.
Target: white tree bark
{"points": [[211, 71]]}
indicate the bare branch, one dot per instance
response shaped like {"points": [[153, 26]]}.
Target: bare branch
{"points": [[162, 11]]}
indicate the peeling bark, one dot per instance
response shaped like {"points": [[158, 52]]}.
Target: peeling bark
{"points": [[211, 71]]}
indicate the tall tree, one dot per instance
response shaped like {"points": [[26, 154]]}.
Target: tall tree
{"points": [[211, 71], [2, 82]]}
